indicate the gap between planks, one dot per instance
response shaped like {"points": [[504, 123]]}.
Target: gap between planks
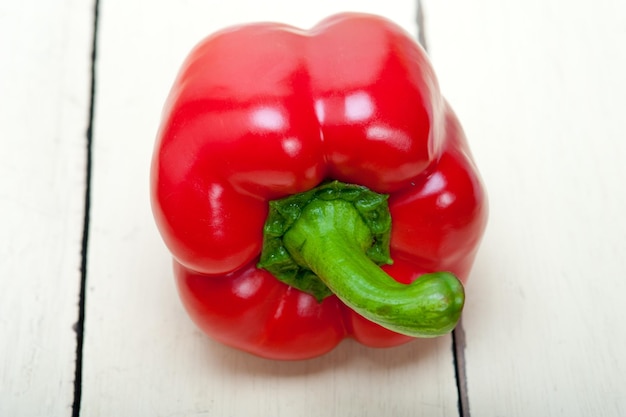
{"points": [[80, 323], [458, 334]]}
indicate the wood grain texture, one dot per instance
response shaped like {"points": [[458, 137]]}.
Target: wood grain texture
{"points": [[44, 111], [540, 88], [142, 355]]}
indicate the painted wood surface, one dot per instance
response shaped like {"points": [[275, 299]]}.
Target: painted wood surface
{"points": [[540, 90], [540, 87], [142, 354], [45, 58]]}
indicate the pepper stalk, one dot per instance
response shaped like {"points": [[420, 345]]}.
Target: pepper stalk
{"points": [[332, 240]]}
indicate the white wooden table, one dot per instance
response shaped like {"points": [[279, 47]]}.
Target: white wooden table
{"points": [[90, 323]]}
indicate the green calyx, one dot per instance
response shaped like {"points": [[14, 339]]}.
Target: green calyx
{"points": [[333, 239], [371, 207]]}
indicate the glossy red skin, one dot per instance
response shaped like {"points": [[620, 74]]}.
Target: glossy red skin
{"points": [[263, 111]]}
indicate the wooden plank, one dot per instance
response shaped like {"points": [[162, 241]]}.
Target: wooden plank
{"points": [[44, 112], [142, 354], [540, 88]]}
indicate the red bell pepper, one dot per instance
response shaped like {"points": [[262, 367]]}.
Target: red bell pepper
{"points": [[314, 185]]}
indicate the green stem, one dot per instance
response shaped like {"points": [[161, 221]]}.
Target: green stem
{"points": [[329, 239], [332, 239]]}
